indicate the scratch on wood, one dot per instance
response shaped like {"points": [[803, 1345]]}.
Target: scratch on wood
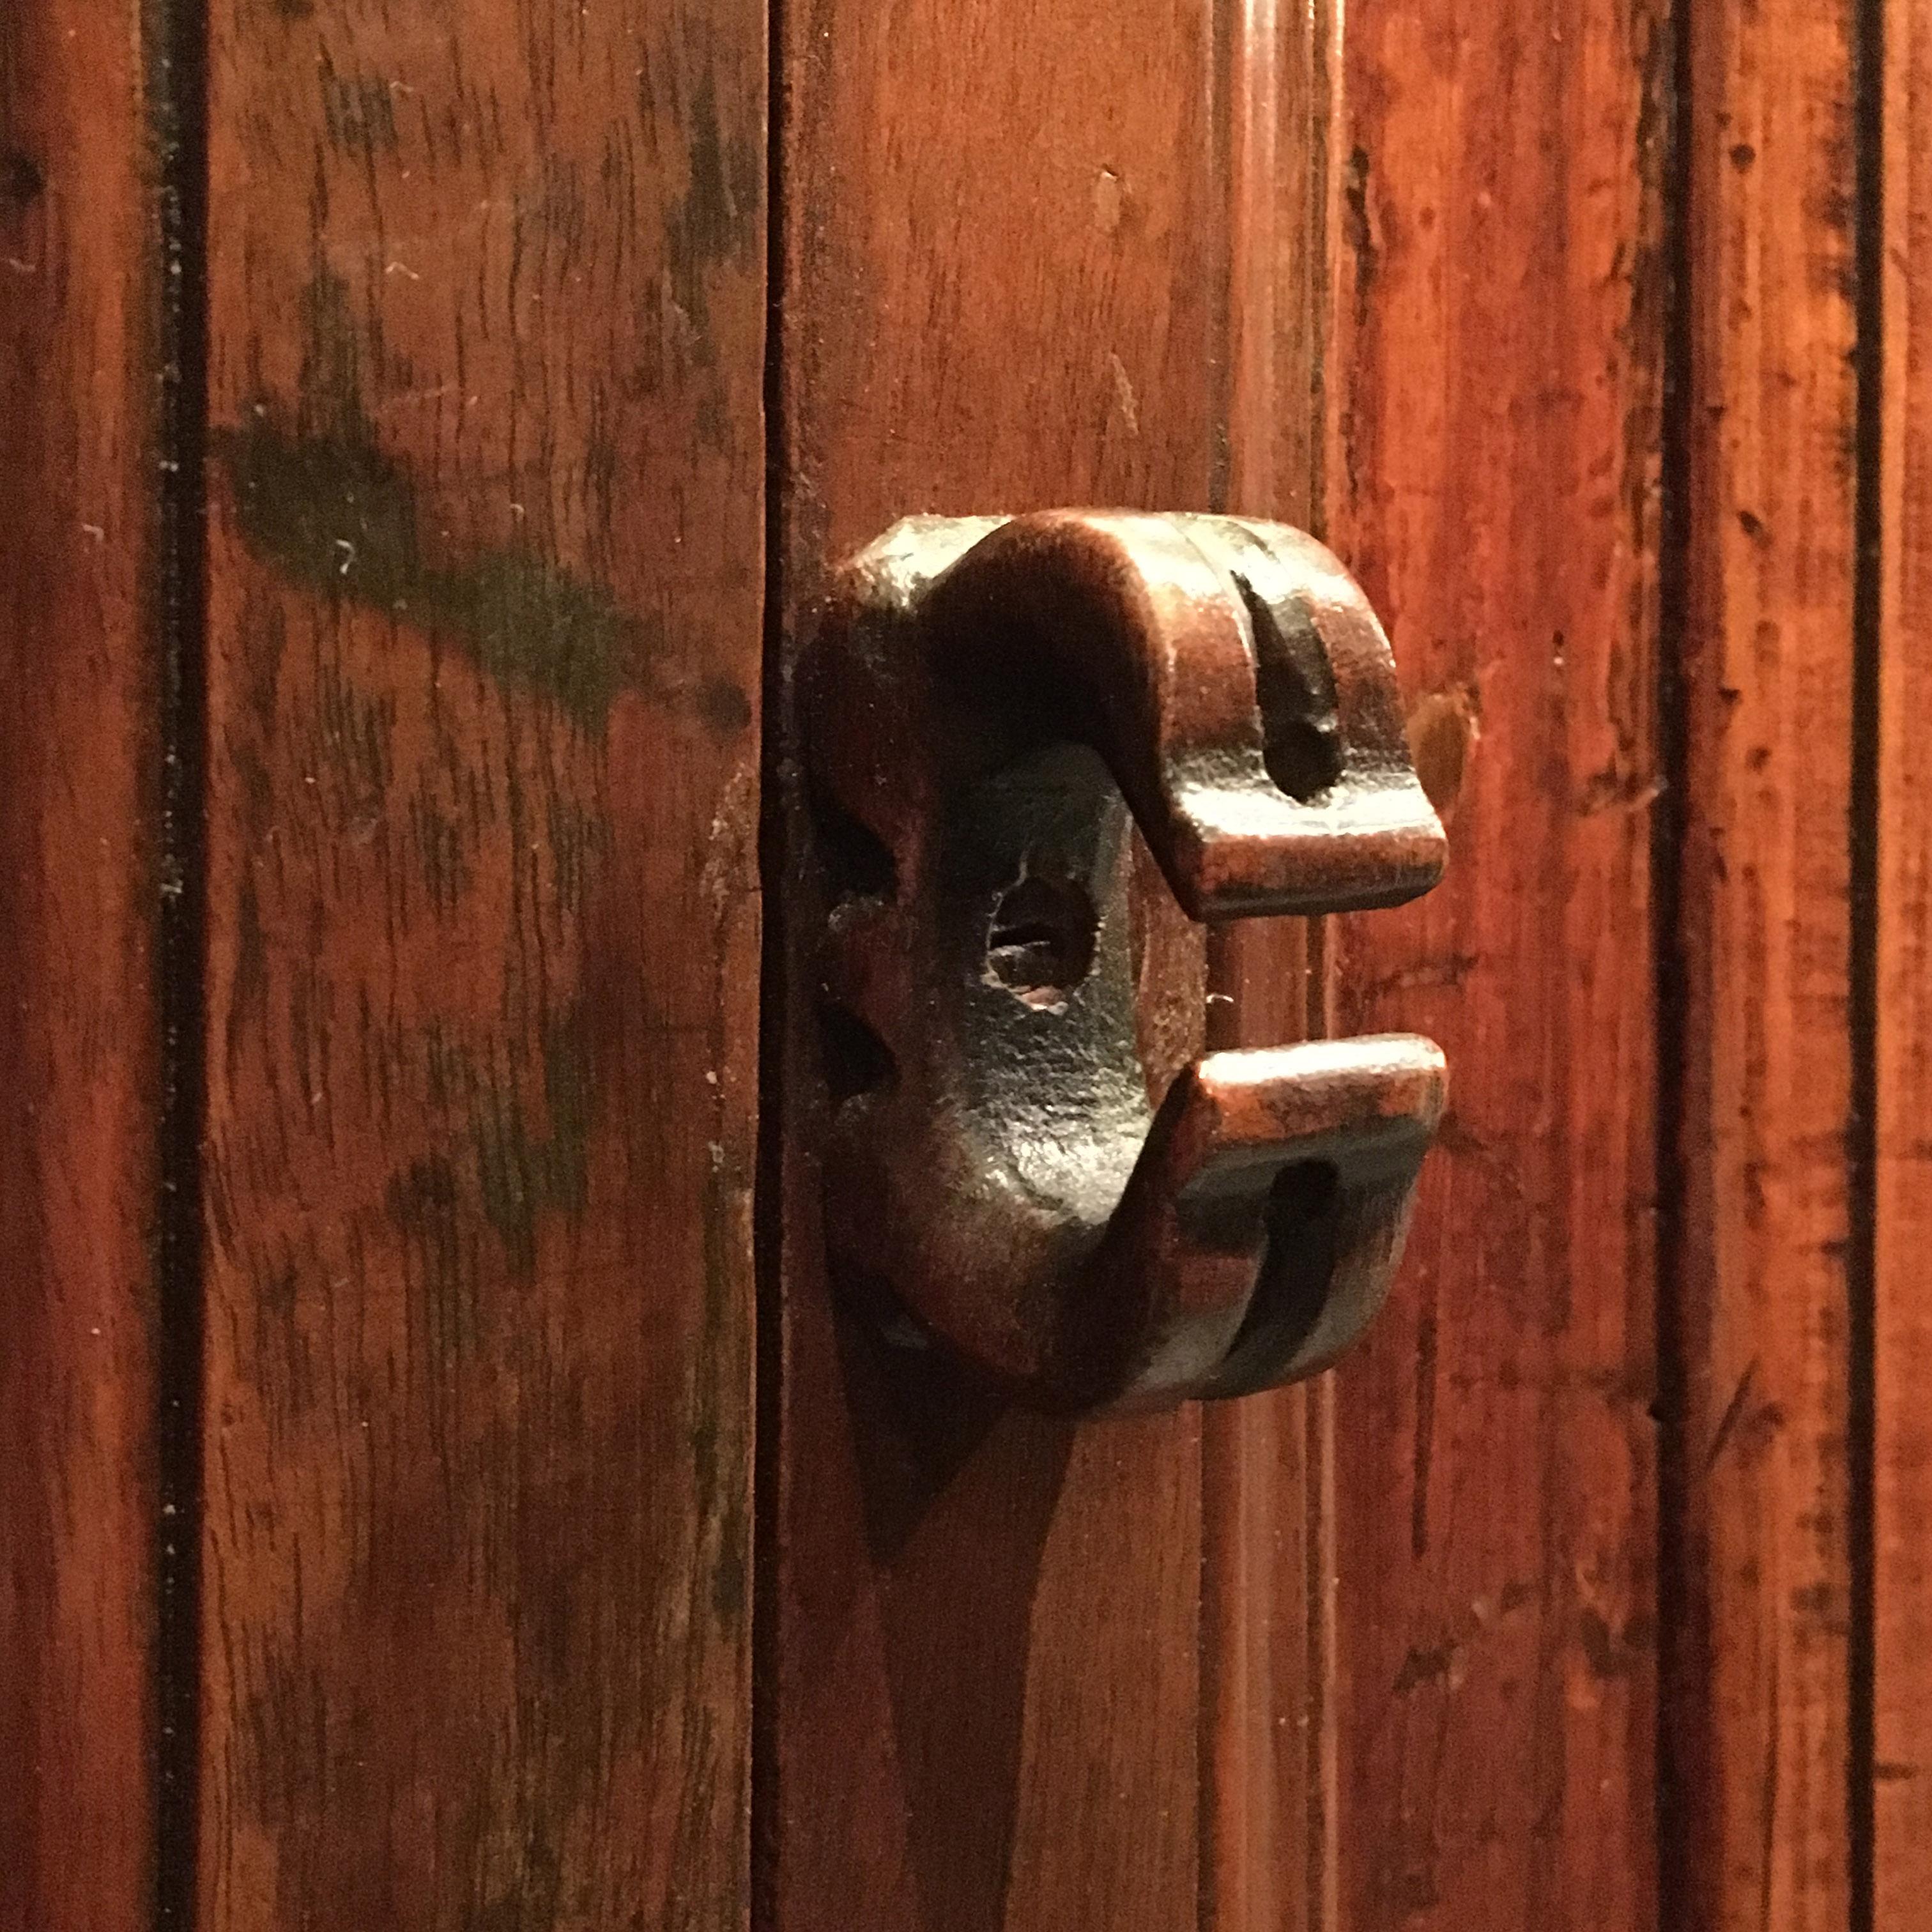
{"points": [[1360, 233], [1732, 1410], [1425, 1433]]}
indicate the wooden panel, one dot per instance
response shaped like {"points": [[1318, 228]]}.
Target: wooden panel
{"points": [[1268, 1857], [1902, 1463], [1005, 228], [79, 867], [1494, 413], [1759, 1691], [486, 303]]}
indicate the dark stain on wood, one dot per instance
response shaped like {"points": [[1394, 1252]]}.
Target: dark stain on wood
{"points": [[357, 110], [1425, 1666], [1359, 229], [521, 1174], [717, 219], [21, 180], [316, 495], [426, 1202], [1612, 1654]]}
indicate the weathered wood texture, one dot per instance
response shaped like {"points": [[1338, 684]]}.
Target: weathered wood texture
{"points": [[486, 298], [1493, 406], [79, 870], [1009, 264], [1758, 1692], [1902, 1461]]}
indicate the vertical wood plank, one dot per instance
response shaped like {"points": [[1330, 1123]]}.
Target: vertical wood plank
{"points": [[79, 869], [1902, 1461], [1267, 1765], [1000, 223], [1493, 401], [1759, 1691], [486, 317]]}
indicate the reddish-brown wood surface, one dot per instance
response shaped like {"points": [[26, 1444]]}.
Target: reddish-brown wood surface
{"points": [[1010, 264], [1493, 378], [485, 306], [79, 869], [485, 289], [1902, 1459], [1759, 1693]]}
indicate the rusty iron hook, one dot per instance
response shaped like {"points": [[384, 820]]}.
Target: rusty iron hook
{"points": [[986, 700]]}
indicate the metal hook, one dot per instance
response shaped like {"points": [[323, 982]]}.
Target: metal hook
{"points": [[985, 699]]}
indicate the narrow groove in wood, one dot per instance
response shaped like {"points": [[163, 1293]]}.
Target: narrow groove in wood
{"points": [[1216, 1580], [175, 34], [1862, 1277], [1226, 44], [1223, 1576], [1326, 103], [774, 1008], [1674, 1848], [1264, 1763], [1322, 1768]]}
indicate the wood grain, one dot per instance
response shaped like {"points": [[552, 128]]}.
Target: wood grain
{"points": [[1268, 1855], [998, 295], [485, 308], [79, 866], [1759, 1691], [1902, 1460], [1493, 375]]}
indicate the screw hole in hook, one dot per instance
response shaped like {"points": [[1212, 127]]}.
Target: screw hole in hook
{"points": [[1039, 945]]}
